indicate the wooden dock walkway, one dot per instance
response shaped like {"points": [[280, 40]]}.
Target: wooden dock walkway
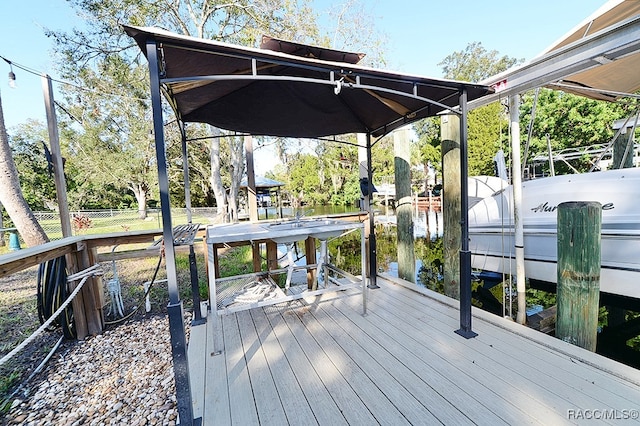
{"points": [[325, 363]]}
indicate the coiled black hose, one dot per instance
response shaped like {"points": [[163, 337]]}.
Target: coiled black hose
{"points": [[52, 292]]}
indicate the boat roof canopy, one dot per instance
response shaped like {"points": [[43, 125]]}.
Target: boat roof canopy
{"points": [[612, 78], [290, 89]]}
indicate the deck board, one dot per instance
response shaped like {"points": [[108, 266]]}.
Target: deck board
{"points": [[437, 371], [322, 404], [595, 386], [196, 353], [545, 393], [352, 407], [296, 407], [242, 402], [216, 397], [372, 396], [265, 394], [321, 361], [437, 405]]}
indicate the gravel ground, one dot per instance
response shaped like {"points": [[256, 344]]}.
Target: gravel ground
{"points": [[121, 377]]}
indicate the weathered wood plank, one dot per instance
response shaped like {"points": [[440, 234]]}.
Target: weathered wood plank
{"points": [[16, 261], [384, 411], [118, 238], [402, 363], [444, 376], [368, 335], [552, 391], [505, 329], [581, 377], [196, 354], [440, 363]]}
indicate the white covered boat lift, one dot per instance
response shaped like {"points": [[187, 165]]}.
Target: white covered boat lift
{"points": [[598, 59]]}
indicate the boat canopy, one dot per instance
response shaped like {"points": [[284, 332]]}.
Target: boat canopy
{"points": [[293, 91], [615, 76]]}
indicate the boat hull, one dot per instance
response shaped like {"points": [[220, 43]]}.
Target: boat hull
{"points": [[491, 234]]}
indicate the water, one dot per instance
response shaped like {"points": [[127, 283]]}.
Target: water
{"points": [[290, 212]]}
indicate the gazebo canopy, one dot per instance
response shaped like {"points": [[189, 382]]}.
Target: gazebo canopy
{"points": [[262, 183], [267, 92], [293, 94]]}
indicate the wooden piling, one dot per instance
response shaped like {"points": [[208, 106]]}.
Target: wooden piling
{"points": [[310, 254], [404, 208], [256, 257], [579, 224], [451, 205], [272, 255]]}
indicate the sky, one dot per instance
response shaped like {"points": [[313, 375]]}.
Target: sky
{"points": [[420, 33]]}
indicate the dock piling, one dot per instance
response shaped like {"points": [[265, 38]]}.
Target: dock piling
{"points": [[579, 225]]}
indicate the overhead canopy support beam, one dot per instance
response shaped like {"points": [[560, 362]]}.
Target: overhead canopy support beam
{"points": [[607, 46]]}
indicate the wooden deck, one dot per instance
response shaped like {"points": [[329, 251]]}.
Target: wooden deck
{"points": [[325, 363]]}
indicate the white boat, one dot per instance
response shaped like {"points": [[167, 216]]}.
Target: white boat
{"points": [[491, 227]]}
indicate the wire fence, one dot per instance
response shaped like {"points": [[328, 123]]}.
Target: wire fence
{"points": [[85, 222]]}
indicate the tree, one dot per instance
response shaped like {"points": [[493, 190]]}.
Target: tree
{"points": [[571, 121], [304, 180], [88, 56], [98, 57], [116, 146], [474, 64], [11, 196], [34, 171]]}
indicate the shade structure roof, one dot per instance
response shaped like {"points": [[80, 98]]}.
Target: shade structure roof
{"points": [[280, 93], [262, 182], [614, 77]]}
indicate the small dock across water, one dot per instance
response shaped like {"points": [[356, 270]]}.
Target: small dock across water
{"points": [[322, 362]]}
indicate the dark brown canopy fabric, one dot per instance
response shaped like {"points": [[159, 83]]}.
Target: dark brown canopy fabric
{"points": [[304, 50], [297, 93]]}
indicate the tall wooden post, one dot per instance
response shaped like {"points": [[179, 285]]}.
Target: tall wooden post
{"points": [[451, 196], [404, 216], [58, 170], [579, 224]]}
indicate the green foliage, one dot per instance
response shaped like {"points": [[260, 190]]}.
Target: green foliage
{"points": [[570, 121], [487, 134], [430, 273], [36, 178], [382, 159], [475, 63], [304, 181], [236, 261]]}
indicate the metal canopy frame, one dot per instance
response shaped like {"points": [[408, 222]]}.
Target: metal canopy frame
{"points": [[602, 48], [397, 99]]}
